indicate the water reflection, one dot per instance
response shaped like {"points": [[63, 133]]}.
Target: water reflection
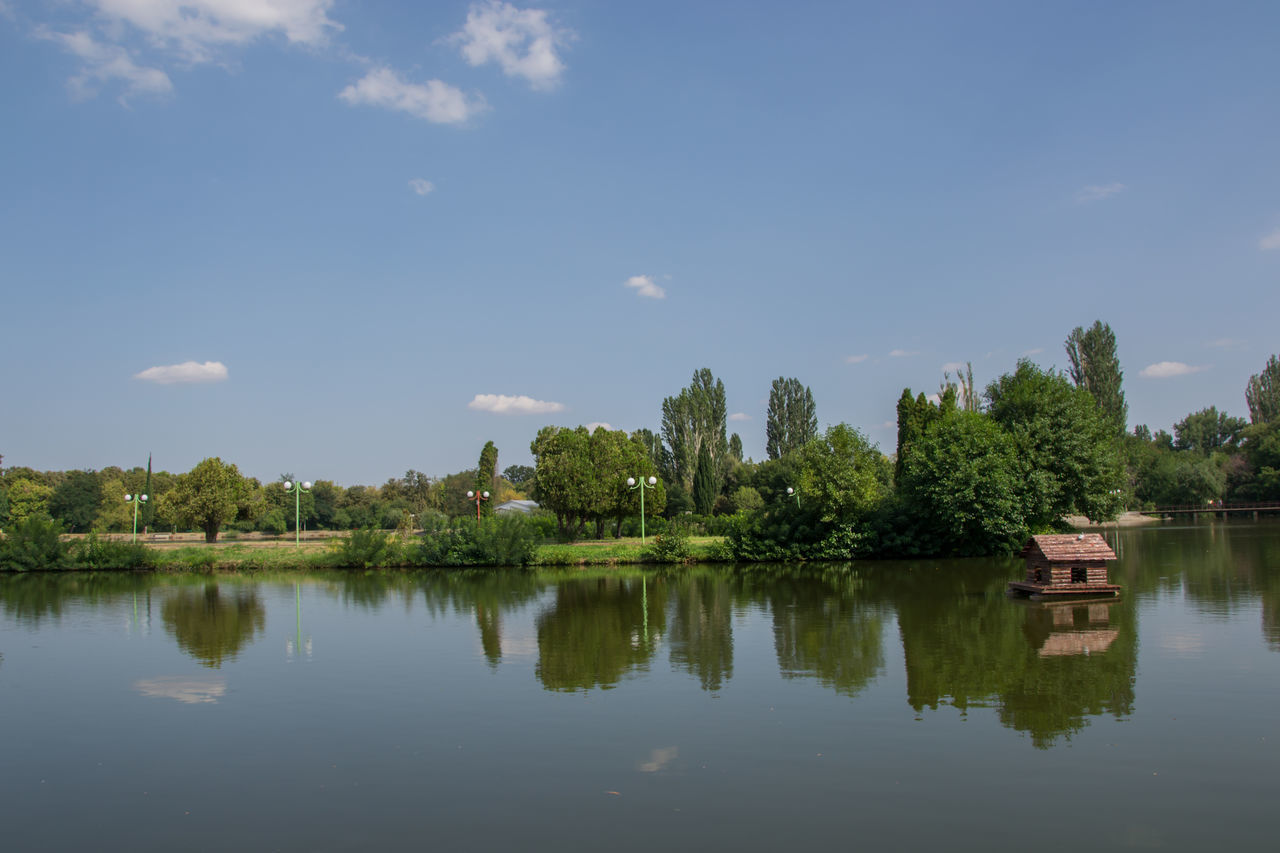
{"points": [[701, 633], [188, 690], [598, 630], [212, 625]]}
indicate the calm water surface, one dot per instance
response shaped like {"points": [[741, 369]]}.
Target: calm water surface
{"points": [[885, 706]]}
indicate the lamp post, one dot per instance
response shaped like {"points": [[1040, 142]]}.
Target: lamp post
{"points": [[632, 485], [482, 496], [796, 492], [135, 500], [296, 489]]}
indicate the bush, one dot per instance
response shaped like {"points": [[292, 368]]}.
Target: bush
{"points": [[32, 544], [508, 539], [366, 548], [94, 553], [669, 547]]}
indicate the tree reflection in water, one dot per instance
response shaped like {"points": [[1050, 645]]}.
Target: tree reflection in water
{"points": [[599, 630], [210, 625]]}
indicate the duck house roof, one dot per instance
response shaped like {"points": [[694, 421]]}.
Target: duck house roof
{"points": [[1069, 547]]}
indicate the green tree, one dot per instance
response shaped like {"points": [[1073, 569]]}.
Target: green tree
{"points": [[1068, 448], [1263, 393], [792, 418], [697, 416], [207, 497], [961, 480], [27, 498], [487, 475], [1207, 430], [705, 485], [563, 482], [1095, 367], [519, 475], [75, 500]]}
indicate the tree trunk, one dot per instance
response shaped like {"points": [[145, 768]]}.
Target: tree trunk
{"points": [[211, 532]]}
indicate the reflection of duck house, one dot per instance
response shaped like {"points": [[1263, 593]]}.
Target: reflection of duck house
{"points": [[1072, 564], [1079, 630]]}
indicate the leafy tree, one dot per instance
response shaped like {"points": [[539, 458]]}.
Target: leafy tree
{"points": [[705, 486], [1095, 367], [487, 474], [208, 496], [961, 480], [735, 447], [33, 542], [75, 500], [1066, 445], [564, 479], [27, 499], [915, 414], [697, 416], [519, 475], [1263, 393], [1207, 430], [792, 419]]}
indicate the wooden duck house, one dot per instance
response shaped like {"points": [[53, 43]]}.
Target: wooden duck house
{"points": [[1069, 564]]}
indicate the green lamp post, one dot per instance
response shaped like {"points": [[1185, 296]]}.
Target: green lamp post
{"points": [[296, 489], [796, 492], [632, 485], [135, 500]]}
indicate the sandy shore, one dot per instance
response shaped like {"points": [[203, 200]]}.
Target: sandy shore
{"points": [[1128, 519]]}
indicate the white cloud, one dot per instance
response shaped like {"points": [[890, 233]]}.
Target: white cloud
{"points": [[1097, 192], [645, 286], [1167, 370], [434, 100], [420, 186], [855, 359], [591, 427], [954, 367], [934, 398], [191, 691], [522, 41], [106, 62], [197, 29], [501, 404], [902, 353], [1035, 351], [1270, 242], [739, 416], [187, 372]]}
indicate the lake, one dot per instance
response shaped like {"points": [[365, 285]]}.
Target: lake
{"points": [[883, 706]]}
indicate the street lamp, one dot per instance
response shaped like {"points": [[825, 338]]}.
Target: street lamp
{"points": [[483, 496], [796, 492], [135, 500], [632, 485], [296, 489]]}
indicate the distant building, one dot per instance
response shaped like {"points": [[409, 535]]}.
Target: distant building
{"points": [[524, 507]]}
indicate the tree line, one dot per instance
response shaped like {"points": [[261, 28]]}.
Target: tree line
{"points": [[974, 471]]}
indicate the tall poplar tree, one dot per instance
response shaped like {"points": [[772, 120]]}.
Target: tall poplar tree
{"points": [[792, 420], [487, 474], [1263, 393], [1095, 368], [694, 418]]}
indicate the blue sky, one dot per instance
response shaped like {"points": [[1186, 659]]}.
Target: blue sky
{"points": [[345, 240]]}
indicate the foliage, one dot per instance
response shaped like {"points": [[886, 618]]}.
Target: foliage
{"points": [[1095, 368], [669, 547], [705, 485], [94, 553], [27, 498], [487, 475], [208, 496], [961, 480], [1263, 393], [505, 539], [366, 548], [1207, 430], [518, 475], [75, 500], [31, 544], [565, 479], [1067, 447], [693, 419], [792, 419]]}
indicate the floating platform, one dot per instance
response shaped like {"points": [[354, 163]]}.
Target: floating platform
{"points": [[1040, 591]]}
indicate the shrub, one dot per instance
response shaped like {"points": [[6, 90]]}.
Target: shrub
{"points": [[33, 543], [366, 548], [669, 547], [94, 553]]}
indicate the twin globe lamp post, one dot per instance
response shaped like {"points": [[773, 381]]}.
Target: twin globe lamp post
{"points": [[482, 496], [632, 485], [135, 500], [296, 489]]}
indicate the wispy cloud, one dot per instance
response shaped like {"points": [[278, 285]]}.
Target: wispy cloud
{"points": [[1098, 192], [1035, 351], [903, 353], [189, 690], [594, 425], [522, 42], [421, 186], [1270, 242], [187, 372], [103, 63], [1167, 370], [954, 366], [645, 286], [855, 359], [739, 416], [1225, 343], [501, 404], [434, 100]]}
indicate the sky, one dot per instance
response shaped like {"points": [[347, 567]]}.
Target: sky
{"points": [[346, 240]]}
